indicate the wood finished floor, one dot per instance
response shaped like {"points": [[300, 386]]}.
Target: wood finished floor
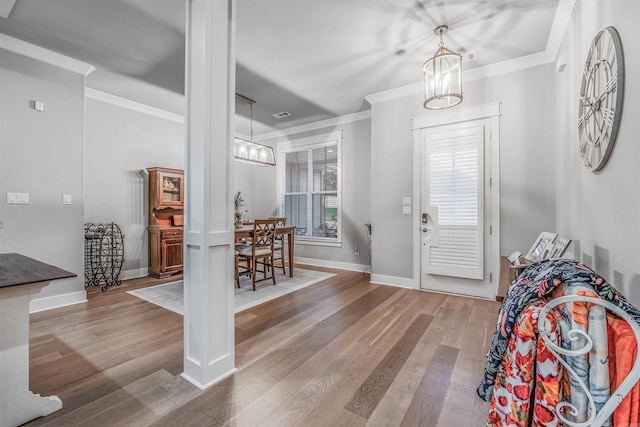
{"points": [[342, 352]]}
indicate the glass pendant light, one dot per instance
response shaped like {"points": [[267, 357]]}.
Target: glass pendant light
{"points": [[442, 76]]}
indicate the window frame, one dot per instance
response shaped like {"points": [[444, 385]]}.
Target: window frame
{"points": [[309, 144]]}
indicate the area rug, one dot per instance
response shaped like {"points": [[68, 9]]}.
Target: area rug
{"points": [[170, 295]]}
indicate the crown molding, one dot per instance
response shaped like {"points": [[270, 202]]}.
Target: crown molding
{"points": [[400, 92], [132, 105], [509, 66], [335, 121], [559, 27], [45, 55]]}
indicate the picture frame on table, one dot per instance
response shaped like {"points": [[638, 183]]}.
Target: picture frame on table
{"points": [[542, 247], [560, 245]]}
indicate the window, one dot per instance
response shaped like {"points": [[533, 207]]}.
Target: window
{"points": [[309, 187]]}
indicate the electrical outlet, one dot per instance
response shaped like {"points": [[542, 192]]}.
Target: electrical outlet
{"points": [[357, 250], [37, 105]]}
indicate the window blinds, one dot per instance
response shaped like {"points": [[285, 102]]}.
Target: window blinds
{"points": [[311, 197], [455, 187]]}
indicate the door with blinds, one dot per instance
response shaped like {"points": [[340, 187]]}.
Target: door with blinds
{"points": [[455, 217]]}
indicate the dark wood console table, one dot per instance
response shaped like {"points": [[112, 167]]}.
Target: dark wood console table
{"points": [[21, 278]]}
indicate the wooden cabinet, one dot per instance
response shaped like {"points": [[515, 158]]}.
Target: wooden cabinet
{"points": [[166, 213], [165, 251]]}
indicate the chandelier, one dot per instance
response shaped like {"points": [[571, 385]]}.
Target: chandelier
{"points": [[442, 76], [249, 151], [252, 152]]}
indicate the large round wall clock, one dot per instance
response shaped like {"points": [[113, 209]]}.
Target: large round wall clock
{"points": [[601, 94]]}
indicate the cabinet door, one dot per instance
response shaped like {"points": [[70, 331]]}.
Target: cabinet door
{"points": [[171, 189], [171, 255]]}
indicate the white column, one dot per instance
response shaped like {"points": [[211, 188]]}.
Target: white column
{"points": [[208, 230]]}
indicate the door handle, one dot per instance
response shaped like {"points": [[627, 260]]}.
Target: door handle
{"points": [[430, 226]]}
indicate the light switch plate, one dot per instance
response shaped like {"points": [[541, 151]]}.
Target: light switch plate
{"points": [[406, 201], [18, 198], [66, 199], [406, 210]]}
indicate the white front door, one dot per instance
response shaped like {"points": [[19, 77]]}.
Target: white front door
{"points": [[455, 218]]}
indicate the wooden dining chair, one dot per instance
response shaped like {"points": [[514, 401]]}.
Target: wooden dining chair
{"points": [[241, 268], [261, 250], [278, 246], [236, 265]]}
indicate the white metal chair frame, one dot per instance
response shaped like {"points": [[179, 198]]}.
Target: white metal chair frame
{"points": [[595, 419]]}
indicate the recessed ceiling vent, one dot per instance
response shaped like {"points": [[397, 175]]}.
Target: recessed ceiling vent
{"points": [[281, 114]]}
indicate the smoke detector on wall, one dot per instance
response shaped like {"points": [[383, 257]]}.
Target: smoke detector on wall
{"points": [[281, 114]]}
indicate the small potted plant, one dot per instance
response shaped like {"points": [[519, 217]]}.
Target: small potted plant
{"points": [[238, 203]]}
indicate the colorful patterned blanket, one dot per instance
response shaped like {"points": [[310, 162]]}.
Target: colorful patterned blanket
{"points": [[536, 281]]}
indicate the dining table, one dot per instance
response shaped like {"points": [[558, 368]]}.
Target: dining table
{"points": [[246, 232]]}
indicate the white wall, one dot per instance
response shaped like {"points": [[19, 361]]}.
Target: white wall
{"points": [[601, 211], [256, 185], [41, 153], [527, 165], [121, 141], [356, 193]]}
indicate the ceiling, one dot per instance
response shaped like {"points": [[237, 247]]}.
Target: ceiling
{"points": [[313, 59]]}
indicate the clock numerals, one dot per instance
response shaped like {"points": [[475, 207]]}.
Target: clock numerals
{"points": [[611, 86], [608, 116]]}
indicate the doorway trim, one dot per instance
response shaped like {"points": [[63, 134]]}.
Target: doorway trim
{"points": [[488, 111]]}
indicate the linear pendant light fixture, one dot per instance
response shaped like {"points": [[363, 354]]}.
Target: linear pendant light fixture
{"points": [[442, 76], [249, 151]]}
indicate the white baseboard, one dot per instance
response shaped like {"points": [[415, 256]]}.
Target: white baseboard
{"points": [[332, 264], [132, 274], [57, 301], [400, 282], [378, 279]]}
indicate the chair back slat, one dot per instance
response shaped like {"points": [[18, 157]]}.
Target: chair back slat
{"points": [[263, 232], [280, 222]]}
